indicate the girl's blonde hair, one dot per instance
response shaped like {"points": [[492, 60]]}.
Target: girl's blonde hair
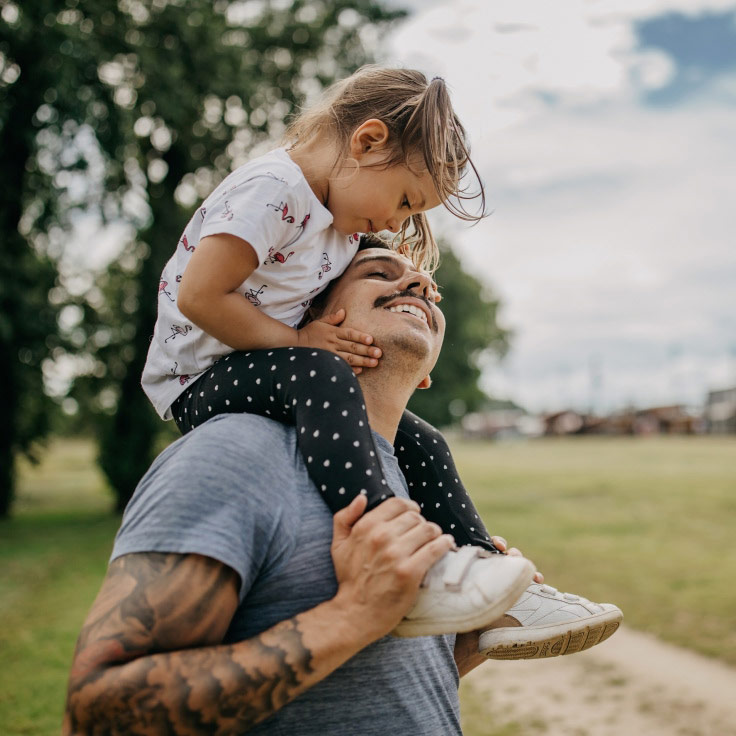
{"points": [[420, 120]]}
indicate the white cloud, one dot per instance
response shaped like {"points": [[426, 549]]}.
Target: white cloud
{"points": [[611, 241]]}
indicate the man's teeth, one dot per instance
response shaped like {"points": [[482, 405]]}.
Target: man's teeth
{"points": [[411, 309]]}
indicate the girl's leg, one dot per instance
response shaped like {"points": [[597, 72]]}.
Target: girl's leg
{"points": [[313, 390], [434, 482]]}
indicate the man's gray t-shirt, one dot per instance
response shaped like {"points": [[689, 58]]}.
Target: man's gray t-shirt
{"points": [[236, 489]]}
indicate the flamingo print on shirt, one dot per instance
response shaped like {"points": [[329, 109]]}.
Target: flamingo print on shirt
{"points": [[283, 208], [183, 378], [326, 266], [227, 213], [253, 296], [277, 256], [178, 330], [162, 289]]}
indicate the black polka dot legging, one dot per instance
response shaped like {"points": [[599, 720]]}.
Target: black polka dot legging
{"points": [[317, 392]]}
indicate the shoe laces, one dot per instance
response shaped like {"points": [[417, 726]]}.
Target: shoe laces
{"points": [[570, 597]]}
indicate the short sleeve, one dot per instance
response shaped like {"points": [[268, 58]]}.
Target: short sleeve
{"points": [[207, 494], [265, 210]]}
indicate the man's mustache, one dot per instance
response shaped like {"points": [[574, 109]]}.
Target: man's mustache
{"points": [[408, 293]]}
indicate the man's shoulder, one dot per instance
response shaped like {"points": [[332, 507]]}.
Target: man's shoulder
{"points": [[249, 435], [233, 453], [226, 490]]}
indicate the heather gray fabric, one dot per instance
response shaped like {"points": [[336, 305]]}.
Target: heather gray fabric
{"points": [[236, 489]]}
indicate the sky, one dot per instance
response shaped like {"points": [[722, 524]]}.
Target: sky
{"points": [[604, 132]]}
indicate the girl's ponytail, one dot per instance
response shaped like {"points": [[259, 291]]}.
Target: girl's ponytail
{"points": [[420, 119]]}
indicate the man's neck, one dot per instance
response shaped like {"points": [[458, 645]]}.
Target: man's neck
{"points": [[384, 402]]}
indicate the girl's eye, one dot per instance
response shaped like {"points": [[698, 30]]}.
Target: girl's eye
{"points": [[405, 203]]}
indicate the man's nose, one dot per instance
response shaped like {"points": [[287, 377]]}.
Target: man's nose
{"points": [[418, 282]]}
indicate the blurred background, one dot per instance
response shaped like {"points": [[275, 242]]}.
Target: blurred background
{"points": [[589, 375]]}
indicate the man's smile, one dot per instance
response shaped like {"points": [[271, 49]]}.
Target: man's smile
{"points": [[409, 309], [417, 306]]}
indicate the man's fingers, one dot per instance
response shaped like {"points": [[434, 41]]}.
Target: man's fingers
{"points": [[427, 554], [415, 535], [345, 519], [389, 509]]}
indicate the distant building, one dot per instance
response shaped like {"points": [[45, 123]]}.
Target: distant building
{"points": [[673, 419], [720, 411], [501, 424], [563, 422], [654, 420]]}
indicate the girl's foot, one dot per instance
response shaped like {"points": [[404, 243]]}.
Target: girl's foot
{"points": [[467, 589], [546, 623]]}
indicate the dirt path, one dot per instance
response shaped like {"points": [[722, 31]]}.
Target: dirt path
{"points": [[632, 684]]}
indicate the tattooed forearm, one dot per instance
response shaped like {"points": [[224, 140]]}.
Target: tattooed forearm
{"points": [[212, 690], [127, 679], [155, 602]]}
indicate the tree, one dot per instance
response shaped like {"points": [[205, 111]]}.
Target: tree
{"points": [[471, 311], [130, 110], [195, 87], [36, 70]]}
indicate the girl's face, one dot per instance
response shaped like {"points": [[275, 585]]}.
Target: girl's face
{"points": [[367, 197]]}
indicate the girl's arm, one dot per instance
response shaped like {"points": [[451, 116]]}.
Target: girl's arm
{"points": [[208, 298]]}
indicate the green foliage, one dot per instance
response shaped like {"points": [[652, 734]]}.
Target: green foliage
{"points": [[140, 109], [470, 310], [29, 131]]}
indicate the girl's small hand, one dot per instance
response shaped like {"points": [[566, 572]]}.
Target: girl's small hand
{"points": [[501, 544], [351, 345]]}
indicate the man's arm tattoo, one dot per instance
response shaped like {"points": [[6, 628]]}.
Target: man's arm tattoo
{"points": [[127, 680]]}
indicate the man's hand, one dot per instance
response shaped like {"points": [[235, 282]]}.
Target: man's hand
{"points": [[381, 558], [351, 345]]}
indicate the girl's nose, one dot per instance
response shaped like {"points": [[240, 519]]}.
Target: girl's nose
{"points": [[394, 224]]}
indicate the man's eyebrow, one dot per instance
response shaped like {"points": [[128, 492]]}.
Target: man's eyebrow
{"points": [[387, 259]]}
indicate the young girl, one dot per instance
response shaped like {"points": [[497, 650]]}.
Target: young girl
{"points": [[381, 148]]}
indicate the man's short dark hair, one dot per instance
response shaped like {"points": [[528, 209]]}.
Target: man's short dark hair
{"points": [[316, 309], [369, 240]]}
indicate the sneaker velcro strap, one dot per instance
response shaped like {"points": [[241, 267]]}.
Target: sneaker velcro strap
{"points": [[458, 565]]}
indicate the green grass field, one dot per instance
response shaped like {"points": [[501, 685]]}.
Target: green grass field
{"points": [[645, 523]]}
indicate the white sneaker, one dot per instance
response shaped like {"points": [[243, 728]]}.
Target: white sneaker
{"points": [[467, 589], [546, 623]]}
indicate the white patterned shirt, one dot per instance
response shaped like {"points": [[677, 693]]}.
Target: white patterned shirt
{"points": [[268, 203]]}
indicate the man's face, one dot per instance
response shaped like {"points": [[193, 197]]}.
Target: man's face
{"points": [[384, 295]]}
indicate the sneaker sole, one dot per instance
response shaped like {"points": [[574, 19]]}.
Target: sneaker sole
{"points": [[432, 627], [554, 640]]}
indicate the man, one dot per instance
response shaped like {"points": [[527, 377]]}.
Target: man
{"points": [[227, 610]]}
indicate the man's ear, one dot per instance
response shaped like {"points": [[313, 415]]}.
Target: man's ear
{"points": [[426, 382], [372, 135]]}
